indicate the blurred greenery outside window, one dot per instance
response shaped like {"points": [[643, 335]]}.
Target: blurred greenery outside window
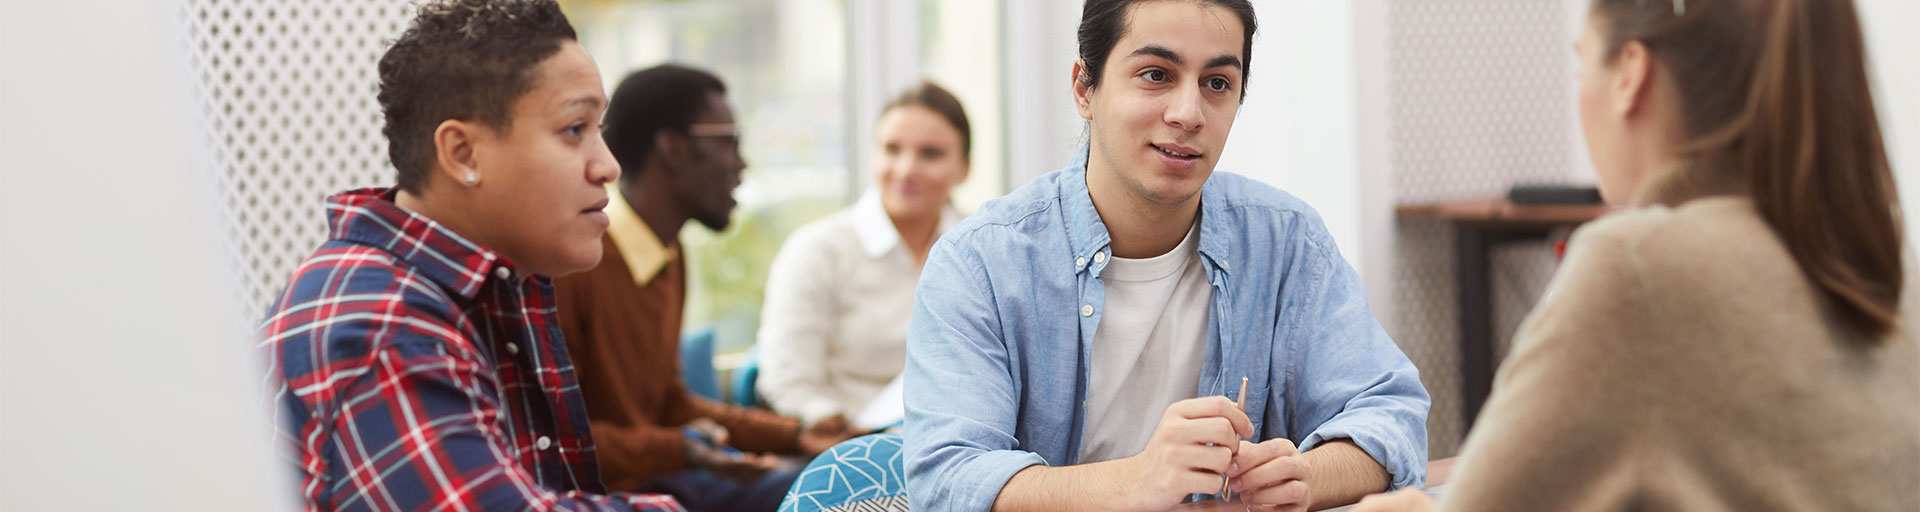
{"points": [[785, 66]]}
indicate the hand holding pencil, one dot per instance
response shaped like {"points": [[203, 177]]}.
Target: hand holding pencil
{"points": [[1191, 447], [1270, 473]]}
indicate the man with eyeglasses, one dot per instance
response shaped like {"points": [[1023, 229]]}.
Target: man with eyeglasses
{"points": [[670, 127]]}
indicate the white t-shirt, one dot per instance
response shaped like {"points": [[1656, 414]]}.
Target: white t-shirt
{"points": [[1148, 349]]}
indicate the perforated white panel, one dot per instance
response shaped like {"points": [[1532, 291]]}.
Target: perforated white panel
{"points": [[1480, 100], [288, 87]]}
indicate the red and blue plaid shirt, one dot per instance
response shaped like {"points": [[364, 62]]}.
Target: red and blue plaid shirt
{"points": [[411, 369]]}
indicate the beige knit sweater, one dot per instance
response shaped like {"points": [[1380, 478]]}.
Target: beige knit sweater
{"points": [[1682, 361]]}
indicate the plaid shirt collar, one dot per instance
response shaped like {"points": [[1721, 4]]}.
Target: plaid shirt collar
{"points": [[370, 217]]}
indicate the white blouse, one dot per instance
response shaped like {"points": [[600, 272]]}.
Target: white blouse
{"points": [[833, 330]]}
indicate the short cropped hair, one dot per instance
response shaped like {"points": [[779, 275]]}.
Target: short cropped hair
{"points": [[461, 60]]}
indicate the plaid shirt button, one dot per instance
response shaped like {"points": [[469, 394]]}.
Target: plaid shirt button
{"points": [[502, 273], [544, 443], [513, 348]]}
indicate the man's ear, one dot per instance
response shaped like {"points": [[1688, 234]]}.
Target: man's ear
{"points": [[1635, 79], [453, 148], [673, 149], [1082, 89]]}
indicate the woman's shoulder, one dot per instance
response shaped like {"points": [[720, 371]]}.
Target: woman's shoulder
{"points": [[1704, 262], [826, 237], [839, 224], [1714, 231], [1642, 285]]}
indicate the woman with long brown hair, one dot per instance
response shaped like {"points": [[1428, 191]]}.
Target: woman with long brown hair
{"points": [[1736, 340]]}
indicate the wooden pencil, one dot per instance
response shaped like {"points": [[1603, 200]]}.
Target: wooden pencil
{"points": [[1242, 404]]}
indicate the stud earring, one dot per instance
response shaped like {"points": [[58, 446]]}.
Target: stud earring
{"points": [[473, 177]]}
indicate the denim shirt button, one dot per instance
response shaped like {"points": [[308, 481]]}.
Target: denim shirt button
{"points": [[1079, 262], [1086, 310], [1099, 257]]}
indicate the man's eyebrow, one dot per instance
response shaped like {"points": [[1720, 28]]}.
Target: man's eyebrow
{"points": [[1177, 60], [1160, 52], [1226, 61]]}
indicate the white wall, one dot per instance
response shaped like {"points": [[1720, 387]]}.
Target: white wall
{"points": [[124, 382], [1891, 42], [1043, 129], [1297, 129], [1315, 125]]}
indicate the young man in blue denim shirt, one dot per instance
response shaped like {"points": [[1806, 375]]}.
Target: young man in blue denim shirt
{"points": [[1061, 336]]}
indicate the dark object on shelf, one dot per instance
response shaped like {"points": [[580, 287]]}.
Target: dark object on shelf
{"points": [[1553, 194]]}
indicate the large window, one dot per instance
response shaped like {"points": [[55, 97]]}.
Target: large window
{"points": [[960, 49]]}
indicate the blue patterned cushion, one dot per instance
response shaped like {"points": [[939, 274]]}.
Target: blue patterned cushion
{"points": [[865, 474]]}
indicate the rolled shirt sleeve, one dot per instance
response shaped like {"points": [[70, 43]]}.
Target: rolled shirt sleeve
{"points": [[961, 399], [1349, 380]]}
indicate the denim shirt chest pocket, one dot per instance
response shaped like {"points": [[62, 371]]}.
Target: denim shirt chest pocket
{"points": [[1233, 352]]}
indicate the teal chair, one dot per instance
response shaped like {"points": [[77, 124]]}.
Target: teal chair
{"points": [[696, 363], [743, 391], [866, 473]]}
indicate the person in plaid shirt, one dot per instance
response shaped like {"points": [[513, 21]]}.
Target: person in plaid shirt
{"points": [[414, 358]]}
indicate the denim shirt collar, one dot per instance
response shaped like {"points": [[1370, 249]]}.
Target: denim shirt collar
{"points": [[1087, 235]]}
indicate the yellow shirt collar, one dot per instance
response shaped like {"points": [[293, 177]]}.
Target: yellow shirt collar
{"points": [[639, 246]]}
